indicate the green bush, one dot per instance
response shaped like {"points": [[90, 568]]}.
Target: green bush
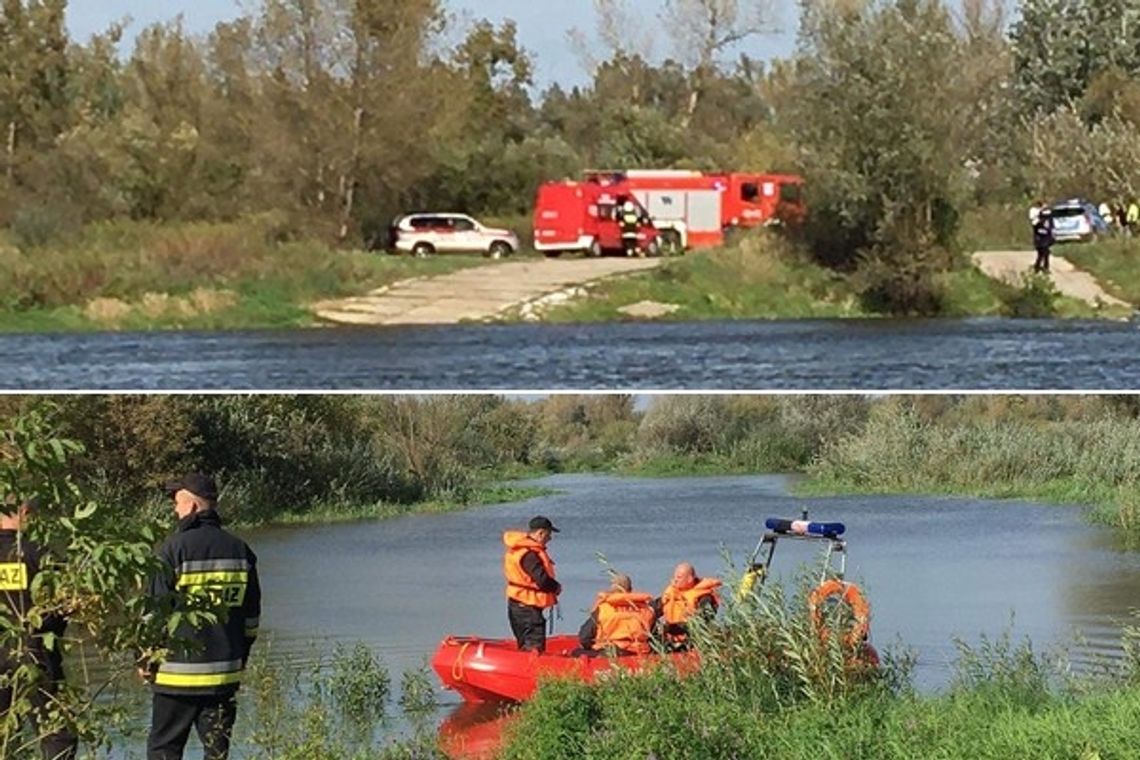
{"points": [[1035, 297], [902, 283]]}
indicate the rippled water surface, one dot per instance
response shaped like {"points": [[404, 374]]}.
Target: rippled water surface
{"points": [[809, 355]]}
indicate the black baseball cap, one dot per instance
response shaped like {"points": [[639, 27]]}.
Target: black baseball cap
{"points": [[540, 522], [194, 482]]}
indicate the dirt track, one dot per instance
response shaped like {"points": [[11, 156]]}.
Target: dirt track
{"points": [[473, 294], [1070, 281]]}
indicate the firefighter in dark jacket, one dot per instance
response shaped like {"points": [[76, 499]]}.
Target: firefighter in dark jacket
{"points": [[20, 563], [531, 586], [198, 687], [630, 220], [1043, 239]]}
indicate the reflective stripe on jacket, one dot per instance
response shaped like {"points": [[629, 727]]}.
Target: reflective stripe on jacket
{"points": [[624, 621], [520, 586], [203, 558]]}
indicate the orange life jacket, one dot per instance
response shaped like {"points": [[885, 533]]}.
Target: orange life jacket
{"points": [[677, 605], [624, 621], [520, 586]]}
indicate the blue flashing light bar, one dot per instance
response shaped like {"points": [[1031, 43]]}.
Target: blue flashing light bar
{"points": [[805, 528]]}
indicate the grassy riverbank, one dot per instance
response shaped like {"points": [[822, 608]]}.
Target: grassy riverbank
{"points": [[763, 277], [1115, 263], [303, 459], [768, 687], [494, 492], [262, 272], [136, 276], [1095, 462], [1013, 715]]}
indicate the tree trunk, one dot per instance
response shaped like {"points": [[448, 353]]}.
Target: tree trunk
{"points": [[10, 152], [350, 178]]}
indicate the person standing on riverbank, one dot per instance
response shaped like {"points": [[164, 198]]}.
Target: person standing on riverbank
{"points": [[20, 563], [686, 597], [198, 688], [531, 586], [1043, 239]]}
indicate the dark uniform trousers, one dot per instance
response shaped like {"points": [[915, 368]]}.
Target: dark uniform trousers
{"points": [[212, 715], [528, 625]]}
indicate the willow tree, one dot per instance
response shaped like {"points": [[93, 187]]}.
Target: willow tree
{"points": [[882, 110]]}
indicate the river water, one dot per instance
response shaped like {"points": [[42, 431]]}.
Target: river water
{"points": [[933, 569], [739, 355]]}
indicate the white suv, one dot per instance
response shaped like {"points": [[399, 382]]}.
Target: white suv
{"points": [[425, 234]]}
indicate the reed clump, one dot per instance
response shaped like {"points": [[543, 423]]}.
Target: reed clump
{"points": [[767, 688]]}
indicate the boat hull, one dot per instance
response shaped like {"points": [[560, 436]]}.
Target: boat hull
{"points": [[494, 670]]}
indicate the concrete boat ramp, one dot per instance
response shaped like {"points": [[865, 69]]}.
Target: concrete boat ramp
{"points": [[478, 293], [1008, 266]]}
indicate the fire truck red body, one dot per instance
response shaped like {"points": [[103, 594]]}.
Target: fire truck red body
{"points": [[689, 209], [583, 216]]}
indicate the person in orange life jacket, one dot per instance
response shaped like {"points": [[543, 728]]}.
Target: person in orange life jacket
{"points": [[621, 622], [198, 688], [20, 563], [531, 585], [685, 597]]}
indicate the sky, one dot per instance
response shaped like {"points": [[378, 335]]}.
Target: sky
{"points": [[543, 25]]}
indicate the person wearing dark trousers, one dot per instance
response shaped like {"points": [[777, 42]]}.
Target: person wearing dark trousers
{"points": [[20, 563], [531, 585], [1043, 239], [196, 686]]}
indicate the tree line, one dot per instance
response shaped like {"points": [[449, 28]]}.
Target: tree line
{"points": [[339, 114], [283, 457]]}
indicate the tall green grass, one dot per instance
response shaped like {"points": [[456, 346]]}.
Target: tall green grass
{"points": [[337, 705], [1114, 262], [257, 272], [759, 277], [766, 690], [1090, 461]]}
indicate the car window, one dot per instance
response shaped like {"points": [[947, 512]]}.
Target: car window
{"points": [[791, 192], [749, 192], [463, 225], [1067, 211]]}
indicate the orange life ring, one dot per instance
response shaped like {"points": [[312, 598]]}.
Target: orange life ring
{"points": [[850, 595]]}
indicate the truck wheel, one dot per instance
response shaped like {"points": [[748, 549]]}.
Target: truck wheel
{"points": [[671, 243], [653, 249], [595, 250], [498, 250], [422, 250]]}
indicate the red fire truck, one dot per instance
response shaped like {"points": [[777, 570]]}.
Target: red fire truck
{"points": [[583, 216], [693, 209]]}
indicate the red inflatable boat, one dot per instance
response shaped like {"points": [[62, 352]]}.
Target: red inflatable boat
{"points": [[494, 670]]}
